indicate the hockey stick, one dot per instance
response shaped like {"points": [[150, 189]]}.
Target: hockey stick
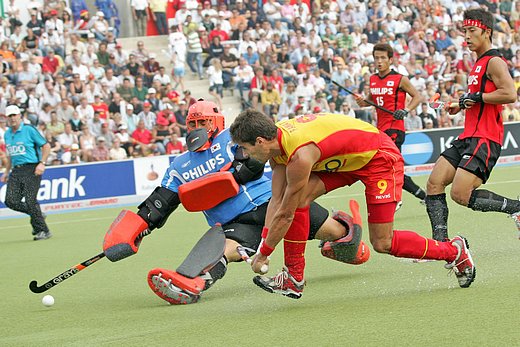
{"points": [[33, 286], [245, 257], [438, 105], [365, 100]]}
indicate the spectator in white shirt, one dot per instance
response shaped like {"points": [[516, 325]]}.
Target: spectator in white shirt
{"points": [[305, 89], [418, 81], [116, 152], [67, 137], [85, 110], [413, 121]]}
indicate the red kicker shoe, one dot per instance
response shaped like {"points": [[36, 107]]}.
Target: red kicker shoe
{"points": [[174, 287]]}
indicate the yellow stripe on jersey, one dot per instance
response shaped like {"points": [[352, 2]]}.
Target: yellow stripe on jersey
{"points": [[346, 144]]}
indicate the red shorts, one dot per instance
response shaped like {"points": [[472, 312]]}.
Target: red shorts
{"points": [[383, 178]]}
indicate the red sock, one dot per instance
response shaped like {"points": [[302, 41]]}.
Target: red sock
{"points": [[408, 244], [294, 243]]}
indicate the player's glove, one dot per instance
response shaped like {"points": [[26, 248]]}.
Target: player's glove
{"points": [[475, 97], [400, 114], [246, 169]]}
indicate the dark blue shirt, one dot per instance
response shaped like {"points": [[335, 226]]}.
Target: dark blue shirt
{"points": [[24, 146], [443, 44]]}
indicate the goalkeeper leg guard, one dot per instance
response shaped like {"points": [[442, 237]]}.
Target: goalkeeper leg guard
{"points": [[437, 209]]}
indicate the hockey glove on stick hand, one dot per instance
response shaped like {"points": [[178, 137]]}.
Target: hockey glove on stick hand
{"points": [[400, 114], [469, 99]]}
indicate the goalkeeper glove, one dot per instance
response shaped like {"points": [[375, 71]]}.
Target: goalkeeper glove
{"points": [[400, 114], [475, 97]]}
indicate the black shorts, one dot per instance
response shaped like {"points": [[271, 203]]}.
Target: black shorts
{"points": [[397, 136], [246, 229], [474, 154]]}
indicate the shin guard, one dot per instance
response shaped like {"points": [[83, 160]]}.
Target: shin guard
{"points": [[411, 187], [484, 200], [437, 209], [295, 241], [408, 244]]}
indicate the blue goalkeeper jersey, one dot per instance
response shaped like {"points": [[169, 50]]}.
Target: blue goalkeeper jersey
{"points": [[192, 165]]}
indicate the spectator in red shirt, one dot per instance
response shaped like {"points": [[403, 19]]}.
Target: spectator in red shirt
{"points": [[304, 65], [258, 84], [142, 139], [277, 80], [218, 32], [430, 66], [174, 146], [100, 107], [50, 64]]}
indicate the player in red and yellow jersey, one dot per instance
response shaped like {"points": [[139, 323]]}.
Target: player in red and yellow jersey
{"points": [[314, 154], [388, 89], [468, 163]]}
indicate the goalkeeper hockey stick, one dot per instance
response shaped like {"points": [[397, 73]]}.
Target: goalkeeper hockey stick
{"points": [[365, 100], [33, 286]]}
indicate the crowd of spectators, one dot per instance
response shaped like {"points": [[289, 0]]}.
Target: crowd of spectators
{"points": [[95, 100], [283, 55]]}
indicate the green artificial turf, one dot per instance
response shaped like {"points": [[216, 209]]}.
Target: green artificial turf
{"points": [[385, 302]]}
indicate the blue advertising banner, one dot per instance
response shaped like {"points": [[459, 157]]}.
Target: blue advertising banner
{"points": [[84, 182], [425, 147]]}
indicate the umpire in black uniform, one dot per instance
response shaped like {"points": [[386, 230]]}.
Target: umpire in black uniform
{"points": [[27, 153]]}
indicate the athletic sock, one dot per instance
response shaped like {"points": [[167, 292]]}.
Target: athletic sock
{"points": [[484, 200], [408, 244], [411, 187], [294, 243], [437, 209]]}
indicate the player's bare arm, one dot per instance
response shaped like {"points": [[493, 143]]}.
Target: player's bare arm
{"points": [[40, 168], [278, 184], [505, 93], [498, 72], [408, 87], [297, 175]]}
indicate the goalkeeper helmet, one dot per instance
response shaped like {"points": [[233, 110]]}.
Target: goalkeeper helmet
{"points": [[204, 122]]}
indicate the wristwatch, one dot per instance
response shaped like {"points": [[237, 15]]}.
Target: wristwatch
{"points": [[43, 163]]}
